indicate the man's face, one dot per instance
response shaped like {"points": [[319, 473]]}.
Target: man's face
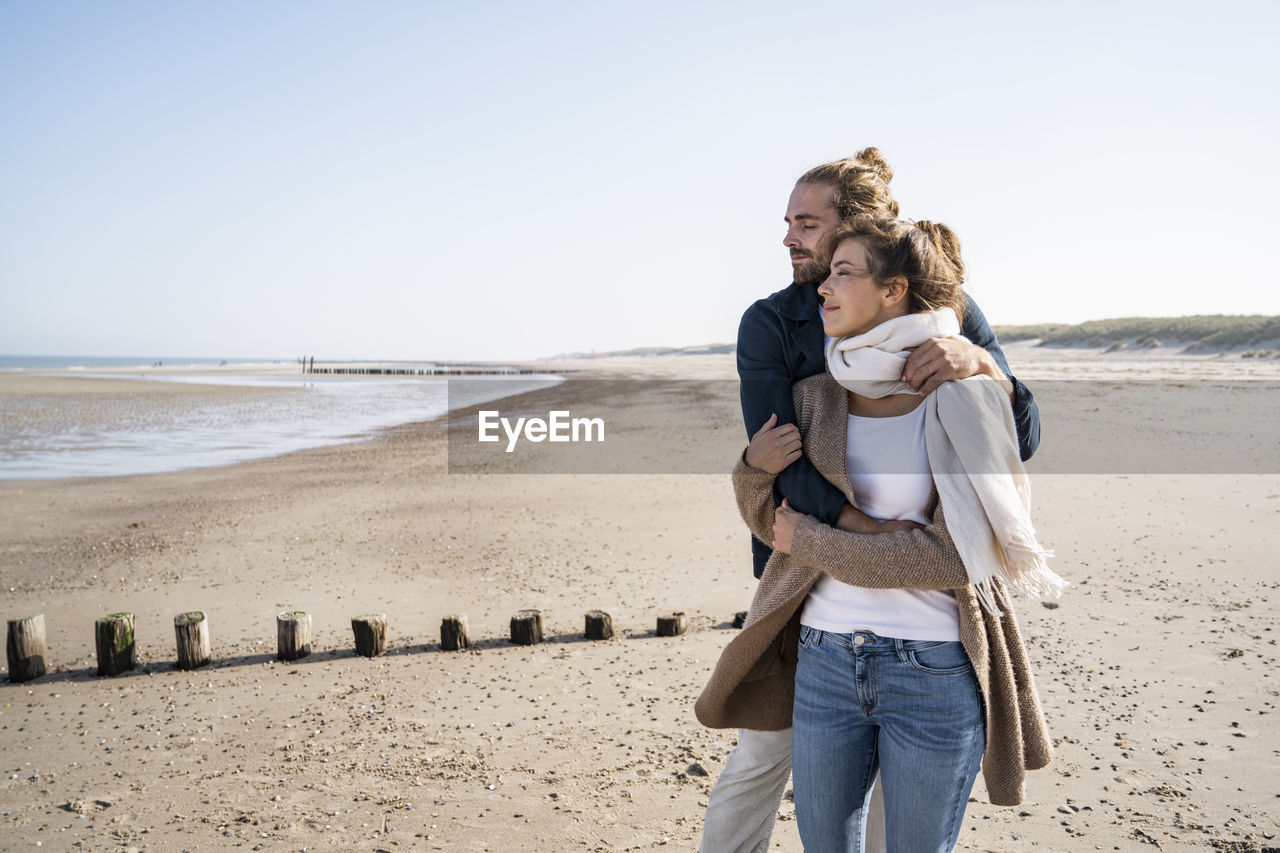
{"points": [[811, 221]]}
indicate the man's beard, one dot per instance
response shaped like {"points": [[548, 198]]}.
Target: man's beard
{"points": [[810, 270]]}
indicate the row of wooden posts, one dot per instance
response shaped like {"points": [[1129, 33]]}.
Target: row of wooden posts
{"points": [[117, 652]]}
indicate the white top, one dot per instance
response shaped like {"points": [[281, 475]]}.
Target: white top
{"points": [[889, 471]]}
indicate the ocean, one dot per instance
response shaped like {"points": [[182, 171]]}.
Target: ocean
{"points": [[194, 413], [106, 362]]}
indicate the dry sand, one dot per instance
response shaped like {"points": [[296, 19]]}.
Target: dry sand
{"points": [[1157, 670]]}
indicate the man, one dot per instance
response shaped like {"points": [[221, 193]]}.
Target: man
{"points": [[780, 342]]}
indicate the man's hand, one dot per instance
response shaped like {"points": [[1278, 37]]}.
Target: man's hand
{"points": [[854, 520], [773, 448], [785, 522], [939, 360]]}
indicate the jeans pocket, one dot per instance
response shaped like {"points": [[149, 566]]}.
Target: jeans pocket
{"points": [[940, 658]]}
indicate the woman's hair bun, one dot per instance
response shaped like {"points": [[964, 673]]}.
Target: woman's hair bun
{"points": [[946, 241]]}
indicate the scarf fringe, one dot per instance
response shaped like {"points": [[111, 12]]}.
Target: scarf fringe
{"points": [[988, 596], [1027, 569]]}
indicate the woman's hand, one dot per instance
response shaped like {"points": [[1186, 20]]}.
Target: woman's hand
{"points": [[773, 448], [785, 522]]}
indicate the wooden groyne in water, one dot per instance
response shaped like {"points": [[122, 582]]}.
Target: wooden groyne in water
{"points": [[309, 366], [426, 371]]}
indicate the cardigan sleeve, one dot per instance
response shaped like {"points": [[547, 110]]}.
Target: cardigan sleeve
{"points": [[753, 489], [925, 558]]}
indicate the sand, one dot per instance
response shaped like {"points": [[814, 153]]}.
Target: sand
{"points": [[1157, 670]]}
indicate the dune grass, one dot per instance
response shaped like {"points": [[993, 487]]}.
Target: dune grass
{"points": [[1199, 333]]}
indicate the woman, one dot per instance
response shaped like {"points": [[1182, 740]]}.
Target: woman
{"points": [[905, 661]]}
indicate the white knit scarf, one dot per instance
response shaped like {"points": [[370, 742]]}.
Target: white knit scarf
{"points": [[973, 452]]}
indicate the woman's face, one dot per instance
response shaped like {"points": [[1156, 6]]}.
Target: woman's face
{"points": [[852, 302]]}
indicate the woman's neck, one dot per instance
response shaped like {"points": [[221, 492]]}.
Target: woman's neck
{"points": [[883, 407]]}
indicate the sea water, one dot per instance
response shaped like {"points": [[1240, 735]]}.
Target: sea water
{"points": [[105, 362], [199, 419]]}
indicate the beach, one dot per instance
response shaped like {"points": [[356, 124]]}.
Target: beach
{"points": [[1157, 669]]}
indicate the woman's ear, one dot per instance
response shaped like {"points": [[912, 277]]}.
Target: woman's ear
{"points": [[895, 291]]}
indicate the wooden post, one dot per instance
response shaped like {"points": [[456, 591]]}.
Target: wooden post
{"points": [[739, 618], [192, 631], [453, 633], [293, 635], [371, 634], [671, 625], [526, 628], [599, 625], [117, 652], [26, 648]]}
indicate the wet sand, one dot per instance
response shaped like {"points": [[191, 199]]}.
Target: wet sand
{"points": [[1157, 670]]}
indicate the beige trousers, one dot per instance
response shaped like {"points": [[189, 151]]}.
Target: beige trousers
{"points": [[744, 802]]}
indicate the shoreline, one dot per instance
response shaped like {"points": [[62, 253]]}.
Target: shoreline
{"points": [[191, 392], [231, 388], [69, 424]]}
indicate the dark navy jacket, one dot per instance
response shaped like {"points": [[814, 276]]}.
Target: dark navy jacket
{"points": [[780, 342]]}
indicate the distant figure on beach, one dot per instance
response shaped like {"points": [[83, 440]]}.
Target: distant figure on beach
{"points": [[781, 342]]}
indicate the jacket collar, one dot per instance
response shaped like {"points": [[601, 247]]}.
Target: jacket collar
{"points": [[799, 302]]}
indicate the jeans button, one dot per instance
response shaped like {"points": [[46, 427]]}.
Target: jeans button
{"points": [[859, 640]]}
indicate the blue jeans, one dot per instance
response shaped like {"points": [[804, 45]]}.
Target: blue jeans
{"points": [[909, 708]]}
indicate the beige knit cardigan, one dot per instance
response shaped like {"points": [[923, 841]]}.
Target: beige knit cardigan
{"points": [[753, 684]]}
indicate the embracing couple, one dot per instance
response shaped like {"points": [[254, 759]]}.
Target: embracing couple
{"points": [[890, 512]]}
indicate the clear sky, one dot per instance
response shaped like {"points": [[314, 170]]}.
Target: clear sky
{"points": [[497, 180]]}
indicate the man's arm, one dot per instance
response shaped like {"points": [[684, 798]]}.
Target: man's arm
{"points": [[1026, 414], [765, 389]]}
